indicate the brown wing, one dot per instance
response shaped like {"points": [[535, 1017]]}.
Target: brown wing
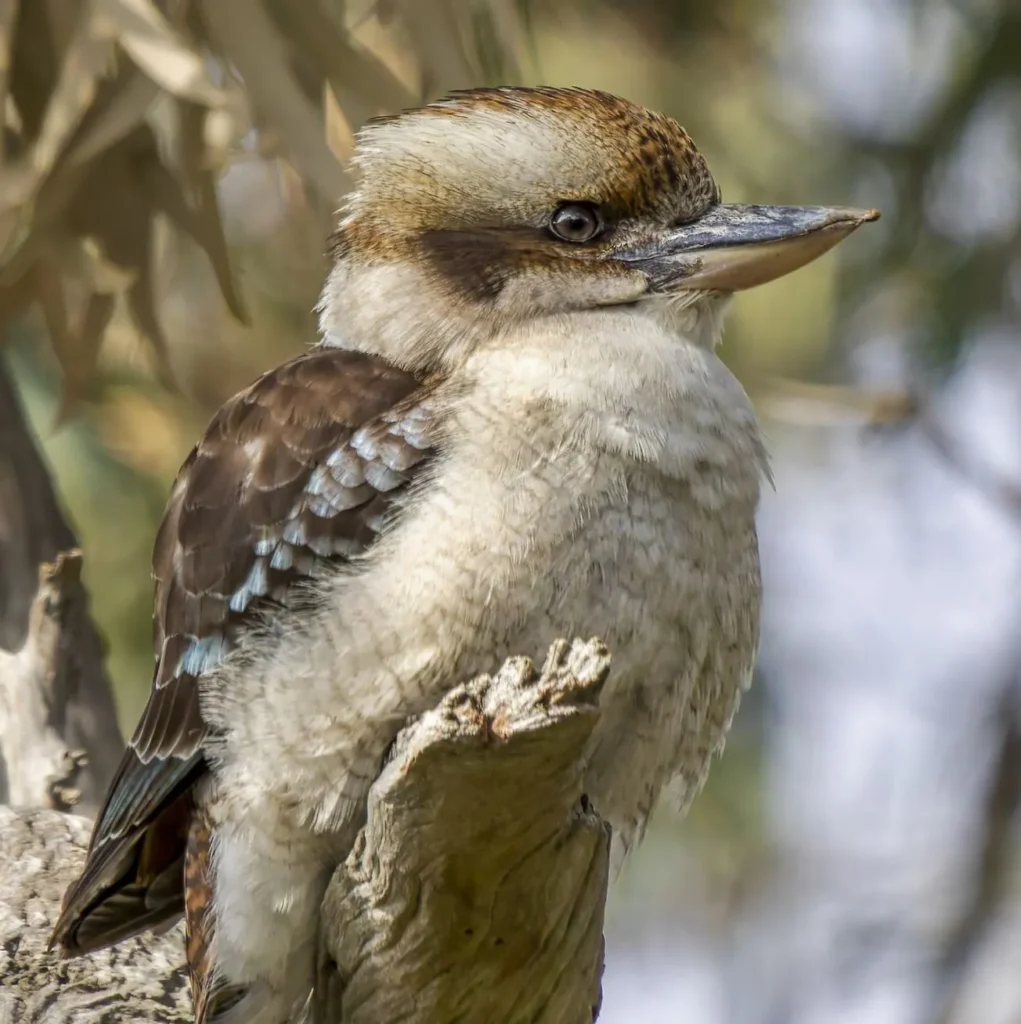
{"points": [[298, 471]]}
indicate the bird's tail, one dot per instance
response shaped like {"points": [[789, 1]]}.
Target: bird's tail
{"points": [[210, 998]]}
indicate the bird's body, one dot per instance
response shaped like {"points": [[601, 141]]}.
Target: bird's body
{"points": [[590, 516], [501, 441]]}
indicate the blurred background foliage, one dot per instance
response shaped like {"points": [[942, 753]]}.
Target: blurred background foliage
{"points": [[169, 174]]}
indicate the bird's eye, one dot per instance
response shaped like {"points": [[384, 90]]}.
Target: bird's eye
{"points": [[576, 222]]}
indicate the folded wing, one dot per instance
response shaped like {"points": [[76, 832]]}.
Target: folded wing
{"points": [[297, 473]]}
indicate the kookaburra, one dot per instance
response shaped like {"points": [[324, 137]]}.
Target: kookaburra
{"points": [[514, 429]]}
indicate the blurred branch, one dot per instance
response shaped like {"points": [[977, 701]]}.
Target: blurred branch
{"points": [[993, 869], [56, 708], [997, 488], [826, 405]]}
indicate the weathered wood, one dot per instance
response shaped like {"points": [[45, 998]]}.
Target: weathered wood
{"points": [[59, 741], [475, 891], [141, 980]]}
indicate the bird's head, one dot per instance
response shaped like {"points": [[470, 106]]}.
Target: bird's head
{"points": [[499, 205]]}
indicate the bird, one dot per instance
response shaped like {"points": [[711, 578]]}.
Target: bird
{"points": [[514, 427]]}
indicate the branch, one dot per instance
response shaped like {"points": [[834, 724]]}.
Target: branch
{"points": [[475, 890], [35, 687], [59, 741], [140, 980], [479, 879]]}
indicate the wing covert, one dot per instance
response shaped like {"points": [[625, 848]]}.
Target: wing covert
{"points": [[294, 473]]}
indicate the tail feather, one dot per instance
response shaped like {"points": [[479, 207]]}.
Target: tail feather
{"points": [[120, 916], [209, 996], [130, 884]]}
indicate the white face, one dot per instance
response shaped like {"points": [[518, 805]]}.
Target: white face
{"points": [[499, 207]]}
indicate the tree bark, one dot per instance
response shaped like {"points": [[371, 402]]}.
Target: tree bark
{"points": [[474, 892], [59, 740], [140, 980]]}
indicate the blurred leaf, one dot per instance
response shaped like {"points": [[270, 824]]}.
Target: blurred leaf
{"points": [[8, 15], [85, 261], [501, 37], [126, 110], [339, 131], [246, 37], [50, 291], [201, 223], [15, 225], [80, 362], [158, 50], [110, 122], [439, 42], [88, 54], [361, 82], [17, 298]]}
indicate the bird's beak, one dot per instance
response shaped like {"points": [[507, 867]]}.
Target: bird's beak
{"points": [[735, 246]]}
